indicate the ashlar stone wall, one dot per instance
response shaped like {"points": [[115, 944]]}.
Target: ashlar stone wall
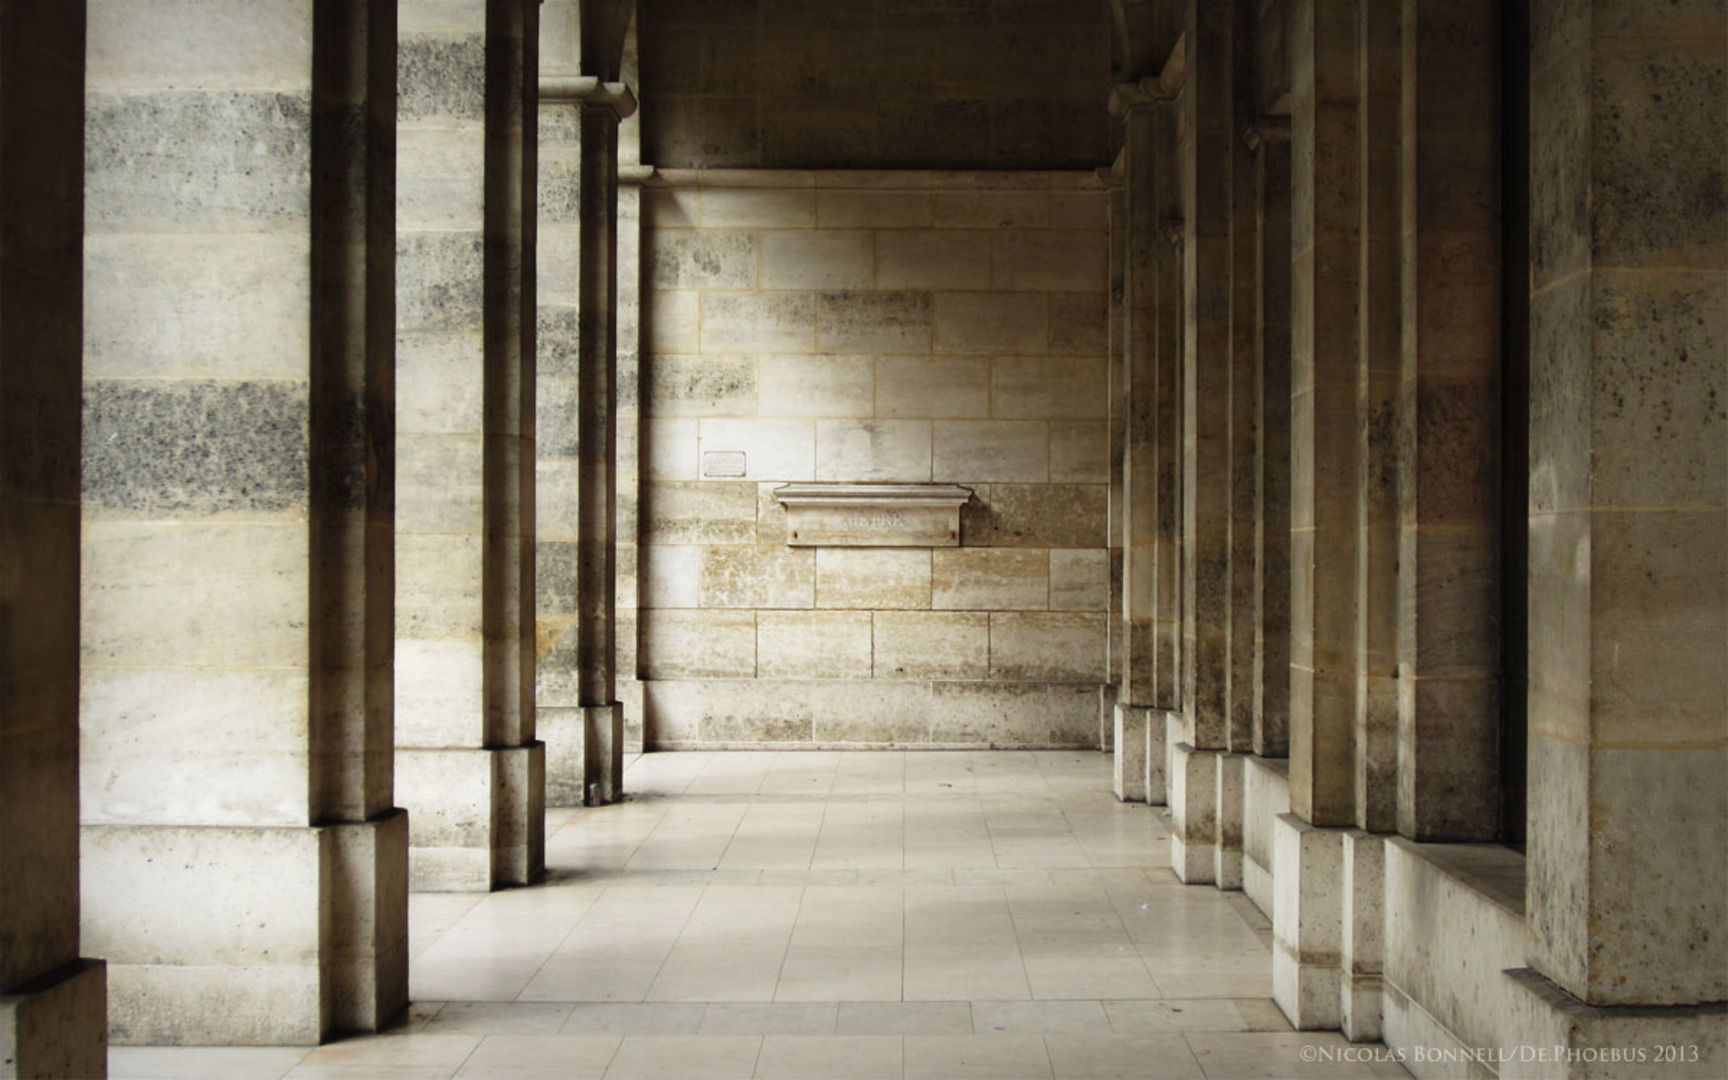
{"points": [[894, 327]]}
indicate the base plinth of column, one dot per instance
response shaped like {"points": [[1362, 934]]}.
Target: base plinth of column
{"points": [[1362, 910], [477, 816], [1194, 814], [603, 753], [57, 1025], [248, 936], [1581, 1041], [1228, 805], [1306, 923], [1129, 751]]}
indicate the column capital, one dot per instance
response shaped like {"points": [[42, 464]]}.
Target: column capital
{"points": [[587, 90], [1266, 129], [1127, 97]]}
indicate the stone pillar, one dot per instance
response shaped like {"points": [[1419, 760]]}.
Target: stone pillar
{"points": [[52, 1003], [1116, 640], [1628, 872], [1271, 708], [631, 175], [596, 589], [1146, 119], [469, 767], [1449, 579], [1324, 515], [1379, 310], [1325, 224], [244, 871], [579, 445]]}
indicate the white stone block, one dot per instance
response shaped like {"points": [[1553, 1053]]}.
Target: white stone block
{"points": [[672, 449], [932, 387], [1006, 451], [1307, 916], [989, 579], [931, 645], [864, 451], [773, 449], [1129, 753], [933, 259], [1193, 813], [842, 386], [817, 259], [1363, 922], [991, 323], [869, 578], [813, 644], [1228, 806]]}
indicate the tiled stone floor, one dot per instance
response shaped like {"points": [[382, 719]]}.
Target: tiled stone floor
{"points": [[814, 915]]}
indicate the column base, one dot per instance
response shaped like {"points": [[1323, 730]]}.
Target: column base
{"points": [[1583, 1041], [1306, 923], [1362, 926], [1194, 814], [477, 816], [57, 1025], [366, 970], [1107, 717], [1130, 750], [251, 936], [1227, 864], [602, 753], [1157, 757], [561, 729]]}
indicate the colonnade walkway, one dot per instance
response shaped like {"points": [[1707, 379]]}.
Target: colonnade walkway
{"points": [[813, 915]]}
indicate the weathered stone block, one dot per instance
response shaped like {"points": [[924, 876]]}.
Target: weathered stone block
{"points": [[818, 259], [989, 323], [931, 645], [872, 578], [986, 579], [752, 322], [874, 321], [758, 577], [841, 386], [1010, 451], [698, 513], [930, 387], [933, 258], [861, 451], [813, 645], [773, 449], [708, 644], [1047, 646]]}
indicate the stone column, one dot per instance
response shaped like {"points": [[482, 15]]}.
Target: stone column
{"points": [[1628, 872], [469, 767], [1207, 155], [1116, 327], [1149, 362], [244, 871], [1325, 226], [631, 175], [1324, 515], [1271, 708], [1449, 617], [52, 1003], [579, 445], [1379, 310]]}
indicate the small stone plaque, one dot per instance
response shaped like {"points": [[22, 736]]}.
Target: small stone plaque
{"points": [[723, 464], [872, 515]]}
